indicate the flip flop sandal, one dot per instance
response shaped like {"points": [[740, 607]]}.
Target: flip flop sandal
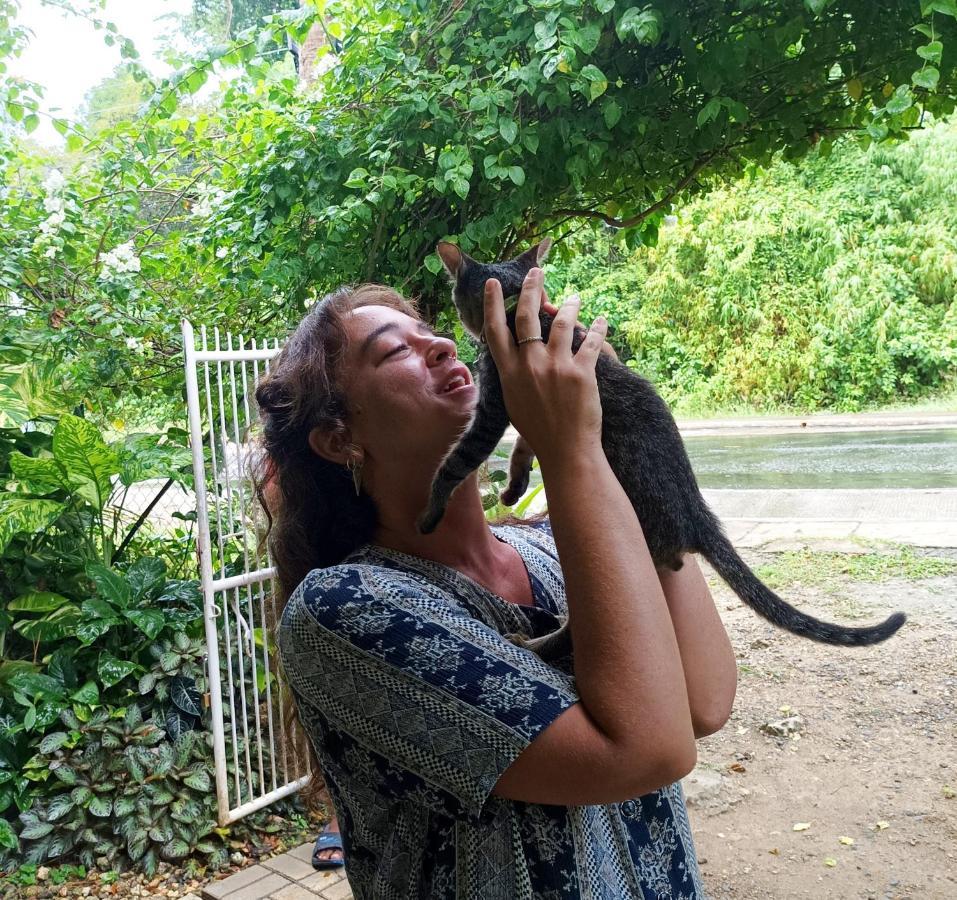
{"points": [[327, 840]]}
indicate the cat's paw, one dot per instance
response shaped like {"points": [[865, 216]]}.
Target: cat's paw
{"points": [[513, 493], [429, 520]]}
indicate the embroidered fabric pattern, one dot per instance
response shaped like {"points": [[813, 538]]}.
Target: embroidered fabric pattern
{"points": [[417, 704]]}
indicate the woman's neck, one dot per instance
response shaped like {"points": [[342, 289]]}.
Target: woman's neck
{"points": [[462, 540]]}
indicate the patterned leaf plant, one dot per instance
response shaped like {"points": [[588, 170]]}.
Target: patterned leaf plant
{"points": [[128, 794]]}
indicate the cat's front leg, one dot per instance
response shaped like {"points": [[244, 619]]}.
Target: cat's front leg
{"points": [[519, 471], [472, 449]]}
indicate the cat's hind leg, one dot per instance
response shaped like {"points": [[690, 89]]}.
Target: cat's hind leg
{"points": [[519, 471]]}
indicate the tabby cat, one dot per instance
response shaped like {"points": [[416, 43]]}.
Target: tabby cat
{"points": [[643, 447]]}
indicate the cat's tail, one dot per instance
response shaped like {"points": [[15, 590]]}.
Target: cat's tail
{"points": [[718, 550]]}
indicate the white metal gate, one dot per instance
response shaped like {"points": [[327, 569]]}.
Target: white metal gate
{"points": [[258, 759]]}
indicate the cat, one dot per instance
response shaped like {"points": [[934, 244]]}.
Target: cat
{"points": [[643, 446]]}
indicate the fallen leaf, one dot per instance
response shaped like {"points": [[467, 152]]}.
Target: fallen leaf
{"points": [[774, 851], [948, 792], [801, 826], [830, 861], [784, 710], [847, 841], [737, 767], [880, 826]]}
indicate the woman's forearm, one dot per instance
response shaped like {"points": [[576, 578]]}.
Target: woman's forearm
{"points": [[710, 669], [627, 663]]}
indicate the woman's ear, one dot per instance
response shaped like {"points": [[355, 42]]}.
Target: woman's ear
{"points": [[334, 446]]}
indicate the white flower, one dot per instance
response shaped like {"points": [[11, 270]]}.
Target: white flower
{"points": [[15, 305], [121, 259], [133, 344], [54, 181], [670, 221], [222, 253], [53, 203], [50, 251], [208, 200]]}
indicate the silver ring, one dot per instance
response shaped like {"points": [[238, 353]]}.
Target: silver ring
{"points": [[526, 340]]}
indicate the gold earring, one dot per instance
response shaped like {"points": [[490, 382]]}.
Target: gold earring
{"points": [[355, 467]]}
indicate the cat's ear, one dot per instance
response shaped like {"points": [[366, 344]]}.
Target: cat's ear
{"points": [[452, 258], [535, 256]]}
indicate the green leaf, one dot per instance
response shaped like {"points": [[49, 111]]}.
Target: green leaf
{"points": [[645, 25], [198, 779], [23, 514], [136, 843], [111, 670], [35, 831], [604, 6], [39, 475], [433, 263], [82, 452], [37, 601], [709, 111], [517, 175], [931, 52], [57, 625], [175, 849], [31, 122], [508, 130], [358, 178], [89, 630], [110, 585], [816, 7], [53, 741], [59, 807], [928, 77], [611, 112], [182, 691], [901, 100], [587, 37], [149, 621], [65, 774], [88, 694], [81, 795], [8, 837], [145, 577], [100, 807]]}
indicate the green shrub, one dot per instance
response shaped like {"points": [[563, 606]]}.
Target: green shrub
{"points": [[102, 751], [829, 284]]}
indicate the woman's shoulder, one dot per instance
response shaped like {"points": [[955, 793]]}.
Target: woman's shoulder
{"points": [[537, 532]]}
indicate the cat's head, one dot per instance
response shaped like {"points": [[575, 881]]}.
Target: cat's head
{"points": [[469, 276]]}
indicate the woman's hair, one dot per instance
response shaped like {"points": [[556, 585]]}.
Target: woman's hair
{"points": [[315, 516]]}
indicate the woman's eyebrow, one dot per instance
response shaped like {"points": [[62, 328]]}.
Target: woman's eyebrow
{"points": [[370, 339]]}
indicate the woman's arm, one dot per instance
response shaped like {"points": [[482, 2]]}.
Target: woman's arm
{"points": [[711, 672], [632, 730]]}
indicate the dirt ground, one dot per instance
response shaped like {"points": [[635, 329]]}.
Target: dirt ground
{"points": [[859, 802]]}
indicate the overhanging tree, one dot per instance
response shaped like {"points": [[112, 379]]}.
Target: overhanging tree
{"points": [[493, 122]]}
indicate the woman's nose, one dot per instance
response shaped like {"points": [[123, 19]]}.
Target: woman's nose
{"points": [[440, 349]]}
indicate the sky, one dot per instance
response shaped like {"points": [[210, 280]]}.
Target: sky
{"points": [[67, 54]]}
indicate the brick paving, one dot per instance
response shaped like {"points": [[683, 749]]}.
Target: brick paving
{"points": [[286, 877]]}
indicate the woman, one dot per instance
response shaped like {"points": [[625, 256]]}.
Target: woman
{"points": [[461, 764]]}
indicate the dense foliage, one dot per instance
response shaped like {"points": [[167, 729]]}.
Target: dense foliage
{"points": [[829, 284], [487, 122]]}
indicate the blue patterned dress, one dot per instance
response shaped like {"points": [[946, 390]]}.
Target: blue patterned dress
{"points": [[416, 704]]}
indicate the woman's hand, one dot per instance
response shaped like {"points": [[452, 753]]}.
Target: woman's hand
{"points": [[552, 310], [551, 394]]}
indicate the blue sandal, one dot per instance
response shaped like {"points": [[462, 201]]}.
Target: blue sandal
{"points": [[327, 840]]}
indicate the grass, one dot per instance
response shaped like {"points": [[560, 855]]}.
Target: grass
{"points": [[943, 401], [816, 568]]}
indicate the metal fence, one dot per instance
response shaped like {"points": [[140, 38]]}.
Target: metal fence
{"points": [[259, 755]]}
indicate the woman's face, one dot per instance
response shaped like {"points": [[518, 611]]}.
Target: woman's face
{"points": [[409, 397]]}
